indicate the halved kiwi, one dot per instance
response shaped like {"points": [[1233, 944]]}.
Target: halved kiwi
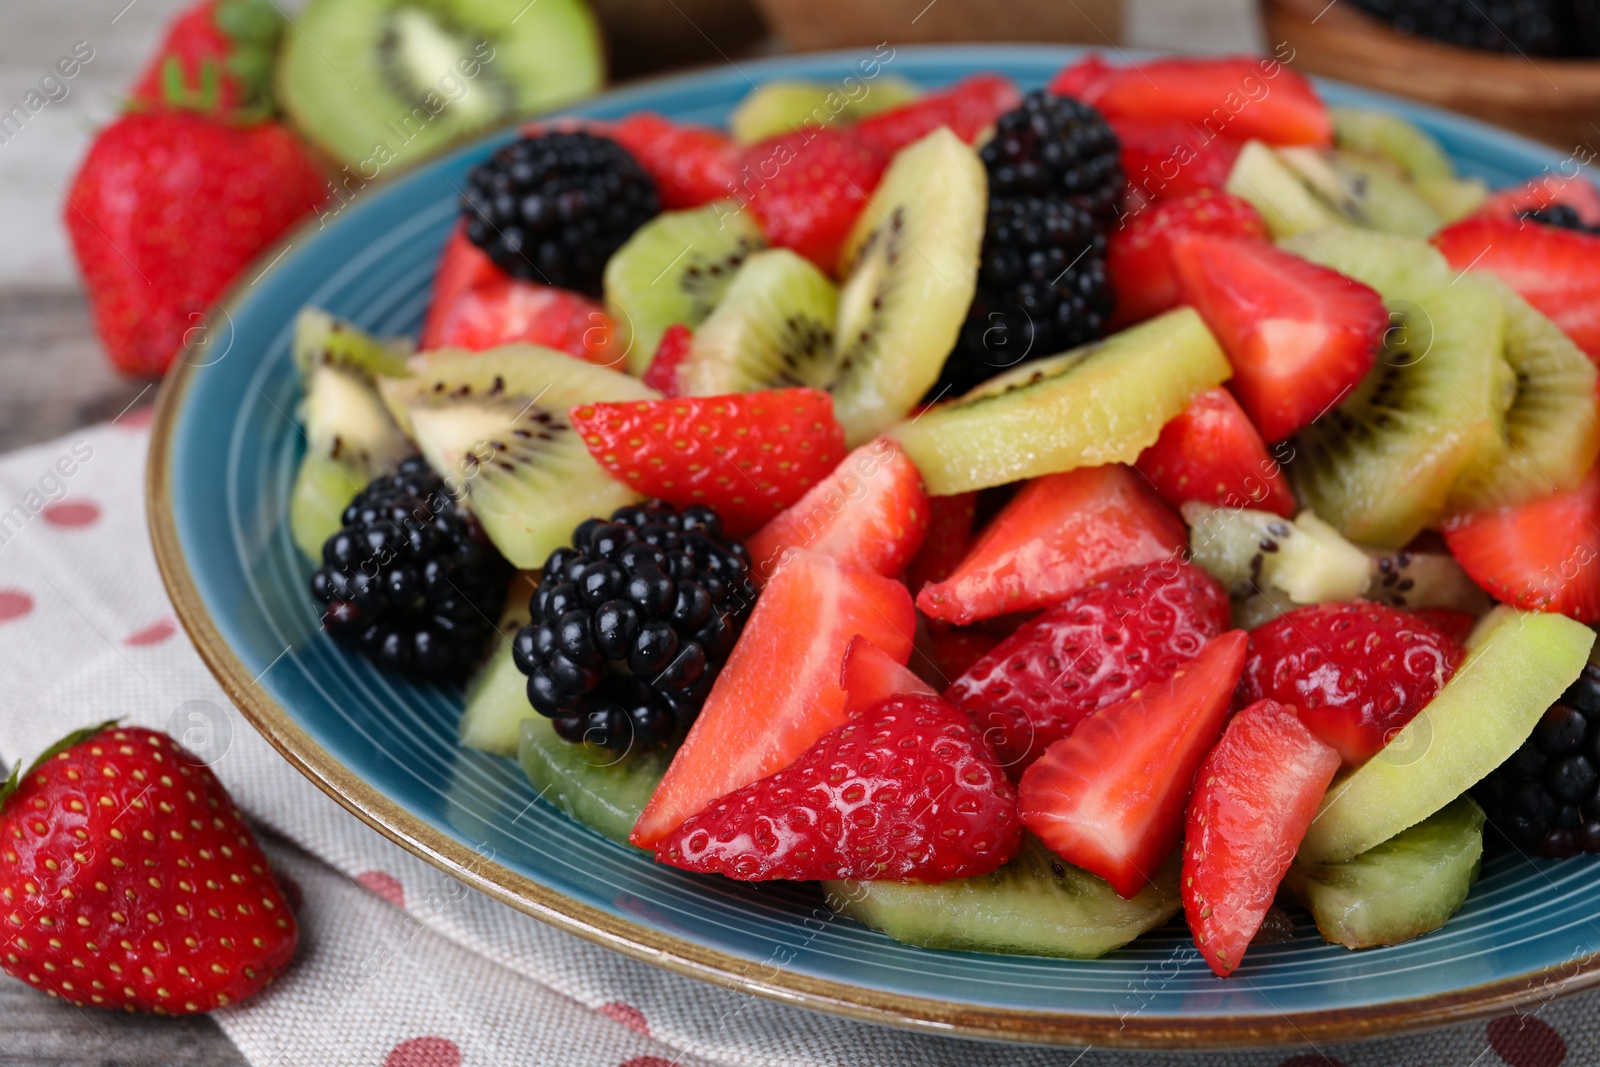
{"points": [[788, 105], [773, 329], [911, 268], [384, 83], [350, 438], [674, 269], [1258, 553], [1552, 431], [1103, 403], [1286, 205], [494, 426]]}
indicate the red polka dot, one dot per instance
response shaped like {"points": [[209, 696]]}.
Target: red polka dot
{"points": [[627, 1015], [1314, 1059], [385, 885], [648, 1061], [153, 634], [71, 513], [1524, 1041], [424, 1052], [14, 604], [137, 419]]}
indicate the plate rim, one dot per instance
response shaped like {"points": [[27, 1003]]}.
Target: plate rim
{"points": [[684, 956]]}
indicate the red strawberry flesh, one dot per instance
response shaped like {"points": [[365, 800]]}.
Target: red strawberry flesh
{"points": [[1211, 453]]}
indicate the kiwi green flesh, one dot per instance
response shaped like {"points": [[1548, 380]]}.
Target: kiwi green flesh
{"points": [[912, 269], [384, 83], [1416, 580], [1516, 665], [1551, 430], [1285, 204], [1405, 887], [1388, 136], [675, 270], [321, 338], [598, 787], [1257, 553], [1380, 467], [1103, 403], [772, 330], [494, 426], [787, 106], [1035, 905], [1364, 191]]}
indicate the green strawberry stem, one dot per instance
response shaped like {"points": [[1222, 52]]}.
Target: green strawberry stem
{"points": [[15, 780]]}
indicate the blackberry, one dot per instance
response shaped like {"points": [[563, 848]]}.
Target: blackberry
{"points": [[1561, 216], [631, 624], [410, 581], [1042, 289], [553, 207], [1531, 27], [1546, 797], [1057, 148]]}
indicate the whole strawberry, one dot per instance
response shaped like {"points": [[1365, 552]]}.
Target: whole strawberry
{"points": [[218, 57], [128, 880], [906, 791], [1093, 649], [166, 210]]}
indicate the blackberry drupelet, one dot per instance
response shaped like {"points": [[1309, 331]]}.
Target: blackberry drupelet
{"points": [[1546, 797], [631, 624], [552, 207], [1059, 148], [1533, 27], [1055, 179], [410, 581], [1560, 216]]}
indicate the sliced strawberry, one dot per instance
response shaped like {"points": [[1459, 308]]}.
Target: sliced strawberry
{"points": [[462, 265], [806, 189], [1455, 625], [950, 534], [1212, 453], [1240, 97], [907, 791], [955, 649], [1555, 270], [1254, 799], [870, 674], [505, 310], [1357, 671], [871, 513], [747, 456], [968, 107], [1110, 797], [692, 165], [779, 690], [673, 349], [1057, 535], [1139, 254], [1299, 335], [1092, 650], [1540, 193], [1172, 159], [1539, 556]]}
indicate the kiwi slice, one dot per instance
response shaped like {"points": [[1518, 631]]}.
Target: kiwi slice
{"points": [[788, 105], [350, 438], [1517, 664], [1036, 905], [1551, 431], [1286, 205], [1387, 136], [1103, 403], [1407, 579], [599, 787], [773, 329], [1453, 198], [494, 425], [1406, 887], [1381, 465], [1369, 192], [674, 269], [383, 83], [1251, 552], [911, 268], [497, 696]]}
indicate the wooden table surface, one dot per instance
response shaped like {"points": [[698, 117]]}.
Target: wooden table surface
{"points": [[54, 378]]}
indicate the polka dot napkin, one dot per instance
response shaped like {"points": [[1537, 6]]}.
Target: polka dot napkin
{"points": [[399, 965]]}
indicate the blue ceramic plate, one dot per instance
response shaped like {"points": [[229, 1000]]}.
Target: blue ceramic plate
{"points": [[223, 457]]}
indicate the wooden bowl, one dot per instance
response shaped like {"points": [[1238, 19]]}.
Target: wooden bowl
{"points": [[1555, 100]]}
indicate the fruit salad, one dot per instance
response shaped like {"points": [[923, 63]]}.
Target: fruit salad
{"points": [[1042, 511]]}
